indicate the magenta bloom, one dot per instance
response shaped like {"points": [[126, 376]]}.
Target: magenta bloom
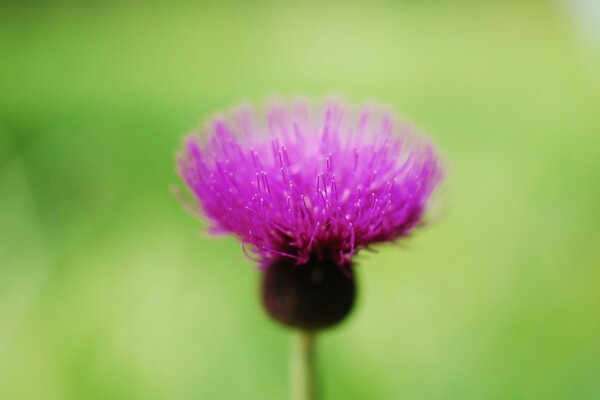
{"points": [[304, 180], [310, 182]]}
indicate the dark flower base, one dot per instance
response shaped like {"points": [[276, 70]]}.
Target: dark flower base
{"points": [[310, 296]]}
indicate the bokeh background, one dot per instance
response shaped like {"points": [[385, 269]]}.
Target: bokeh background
{"points": [[109, 290]]}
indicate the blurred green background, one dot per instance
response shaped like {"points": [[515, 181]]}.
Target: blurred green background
{"points": [[109, 290]]}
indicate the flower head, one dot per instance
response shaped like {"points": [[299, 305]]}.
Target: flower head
{"points": [[309, 185]]}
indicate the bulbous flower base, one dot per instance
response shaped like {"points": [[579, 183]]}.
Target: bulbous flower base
{"points": [[309, 296]]}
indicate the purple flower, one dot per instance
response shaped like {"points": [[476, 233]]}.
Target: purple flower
{"points": [[310, 184]]}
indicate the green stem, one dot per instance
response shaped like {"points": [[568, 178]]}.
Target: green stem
{"points": [[303, 366]]}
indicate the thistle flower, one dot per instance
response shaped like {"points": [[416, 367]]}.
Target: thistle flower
{"points": [[305, 189]]}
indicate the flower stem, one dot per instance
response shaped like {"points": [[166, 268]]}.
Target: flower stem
{"points": [[303, 366]]}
